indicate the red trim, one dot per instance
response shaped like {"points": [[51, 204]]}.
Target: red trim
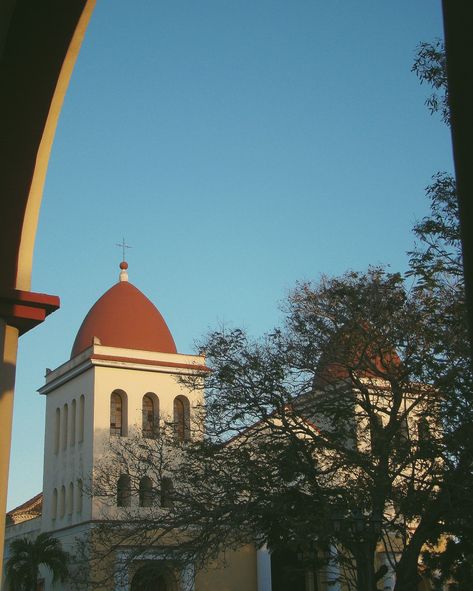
{"points": [[155, 362], [26, 309]]}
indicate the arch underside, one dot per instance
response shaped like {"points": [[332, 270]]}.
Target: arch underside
{"points": [[39, 44], [154, 575]]}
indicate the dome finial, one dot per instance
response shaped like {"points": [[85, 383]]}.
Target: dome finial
{"points": [[123, 265], [123, 273]]}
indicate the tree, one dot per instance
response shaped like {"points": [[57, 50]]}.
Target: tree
{"points": [[26, 557], [437, 264], [430, 66], [309, 437]]}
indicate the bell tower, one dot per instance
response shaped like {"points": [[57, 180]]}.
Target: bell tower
{"points": [[123, 374]]}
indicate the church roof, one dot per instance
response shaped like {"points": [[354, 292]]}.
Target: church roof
{"points": [[124, 317], [29, 510]]}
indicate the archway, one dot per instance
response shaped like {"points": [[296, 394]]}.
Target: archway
{"points": [[39, 44], [154, 576]]}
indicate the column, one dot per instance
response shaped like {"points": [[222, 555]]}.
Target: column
{"points": [[8, 348], [332, 570], [187, 578], [263, 568], [389, 579], [120, 574], [20, 311]]}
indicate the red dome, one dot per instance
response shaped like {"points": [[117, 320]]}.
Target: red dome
{"points": [[124, 317], [358, 349]]}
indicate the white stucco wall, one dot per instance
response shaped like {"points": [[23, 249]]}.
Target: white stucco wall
{"points": [[68, 461], [94, 375]]}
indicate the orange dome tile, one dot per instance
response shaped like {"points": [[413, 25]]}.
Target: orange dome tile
{"points": [[125, 317]]}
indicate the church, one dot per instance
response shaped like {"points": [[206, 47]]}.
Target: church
{"points": [[122, 374]]}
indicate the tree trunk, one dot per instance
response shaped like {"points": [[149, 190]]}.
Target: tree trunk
{"points": [[407, 576], [407, 569], [364, 553]]}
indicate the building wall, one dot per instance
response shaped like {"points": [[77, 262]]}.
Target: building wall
{"points": [[235, 571], [78, 418], [68, 452]]}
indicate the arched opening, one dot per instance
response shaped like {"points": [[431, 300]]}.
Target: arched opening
{"points": [[154, 576], [124, 491], [62, 502], [72, 440], [146, 492], [70, 499], [79, 499], [57, 431], [81, 418], [182, 418], [424, 437], [402, 438], [376, 433], [54, 504], [167, 492], [118, 413], [150, 415], [65, 420]]}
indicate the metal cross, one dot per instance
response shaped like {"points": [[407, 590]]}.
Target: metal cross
{"points": [[123, 245]]}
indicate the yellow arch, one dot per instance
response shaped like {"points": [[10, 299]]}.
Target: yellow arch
{"points": [[39, 45], [31, 216]]}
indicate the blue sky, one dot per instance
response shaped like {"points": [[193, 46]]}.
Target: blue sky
{"points": [[238, 146]]}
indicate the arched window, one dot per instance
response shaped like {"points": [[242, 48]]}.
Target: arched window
{"points": [[154, 575], [81, 418], [65, 419], [376, 432], [423, 430], [401, 438], [146, 492], [150, 415], [79, 494], [424, 437], [62, 502], [54, 504], [404, 429], [70, 499], [57, 431], [181, 418], [124, 491], [167, 490], [72, 440], [118, 413]]}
